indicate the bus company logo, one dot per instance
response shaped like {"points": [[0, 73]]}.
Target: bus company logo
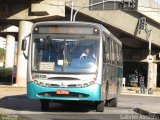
{"points": [[63, 85]]}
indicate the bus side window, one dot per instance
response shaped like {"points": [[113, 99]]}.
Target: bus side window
{"points": [[121, 61], [110, 49], [107, 48], [104, 52], [115, 59], [115, 53], [118, 55], [112, 53]]}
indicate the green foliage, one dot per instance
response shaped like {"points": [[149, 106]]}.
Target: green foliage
{"points": [[5, 74], [2, 53]]}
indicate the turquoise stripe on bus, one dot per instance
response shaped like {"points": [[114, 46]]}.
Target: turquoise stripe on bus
{"points": [[92, 91]]}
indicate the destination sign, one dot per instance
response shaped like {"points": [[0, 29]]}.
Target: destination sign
{"points": [[67, 30]]}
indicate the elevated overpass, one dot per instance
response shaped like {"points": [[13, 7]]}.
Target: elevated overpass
{"points": [[127, 21], [17, 17]]}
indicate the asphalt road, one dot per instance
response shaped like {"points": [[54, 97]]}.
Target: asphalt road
{"points": [[21, 108]]}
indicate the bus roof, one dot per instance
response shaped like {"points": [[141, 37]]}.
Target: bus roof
{"points": [[102, 28]]}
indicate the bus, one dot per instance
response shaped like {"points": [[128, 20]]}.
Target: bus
{"points": [[73, 62]]}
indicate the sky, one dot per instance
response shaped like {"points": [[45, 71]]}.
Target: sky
{"points": [[2, 42], [158, 1]]}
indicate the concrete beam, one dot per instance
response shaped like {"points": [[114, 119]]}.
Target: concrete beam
{"points": [[125, 21], [44, 9], [8, 28], [131, 42], [36, 9], [4, 9], [48, 7], [155, 60], [150, 9]]}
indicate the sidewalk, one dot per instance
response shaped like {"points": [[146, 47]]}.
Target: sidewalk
{"points": [[145, 109], [8, 90], [136, 91]]}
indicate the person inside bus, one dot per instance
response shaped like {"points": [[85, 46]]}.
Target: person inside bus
{"points": [[87, 54]]}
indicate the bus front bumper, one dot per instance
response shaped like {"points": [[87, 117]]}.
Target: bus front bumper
{"points": [[89, 93]]}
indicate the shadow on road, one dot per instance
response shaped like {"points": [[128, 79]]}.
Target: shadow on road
{"points": [[147, 113], [22, 103]]}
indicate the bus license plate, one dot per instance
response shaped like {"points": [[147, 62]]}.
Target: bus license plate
{"points": [[62, 92]]}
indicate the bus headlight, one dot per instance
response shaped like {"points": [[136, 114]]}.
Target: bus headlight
{"points": [[47, 85], [79, 85], [41, 84], [91, 83], [35, 81], [85, 85]]}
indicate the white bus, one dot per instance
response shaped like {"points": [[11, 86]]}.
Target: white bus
{"points": [[73, 61]]}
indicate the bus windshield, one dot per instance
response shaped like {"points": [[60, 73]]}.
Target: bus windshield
{"points": [[65, 53]]}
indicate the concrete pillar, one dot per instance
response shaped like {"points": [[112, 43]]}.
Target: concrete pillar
{"points": [[152, 75], [10, 46], [24, 30]]}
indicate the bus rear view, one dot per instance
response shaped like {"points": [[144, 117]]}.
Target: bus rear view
{"points": [[65, 63]]}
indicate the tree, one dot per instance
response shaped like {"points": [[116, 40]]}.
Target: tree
{"points": [[2, 53]]}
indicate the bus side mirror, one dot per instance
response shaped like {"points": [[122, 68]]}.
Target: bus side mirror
{"points": [[24, 44]]}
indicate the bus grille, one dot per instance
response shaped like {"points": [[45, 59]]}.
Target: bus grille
{"points": [[70, 95]]}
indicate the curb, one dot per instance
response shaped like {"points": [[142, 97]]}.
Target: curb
{"points": [[152, 115], [147, 95], [10, 86], [12, 90]]}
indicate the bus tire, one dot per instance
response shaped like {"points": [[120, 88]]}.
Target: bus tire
{"points": [[100, 106], [107, 104], [44, 105], [113, 102]]}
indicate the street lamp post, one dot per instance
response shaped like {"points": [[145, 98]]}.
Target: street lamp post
{"points": [[149, 79], [150, 59], [72, 5], [143, 26]]}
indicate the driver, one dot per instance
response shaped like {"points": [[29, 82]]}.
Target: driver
{"points": [[86, 53]]}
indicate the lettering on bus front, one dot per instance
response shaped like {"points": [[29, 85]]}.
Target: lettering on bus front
{"points": [[40, 76]]}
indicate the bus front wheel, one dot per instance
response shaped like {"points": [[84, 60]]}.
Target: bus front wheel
{"points": [[100, 106], [44, 105], [113, 102]]}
